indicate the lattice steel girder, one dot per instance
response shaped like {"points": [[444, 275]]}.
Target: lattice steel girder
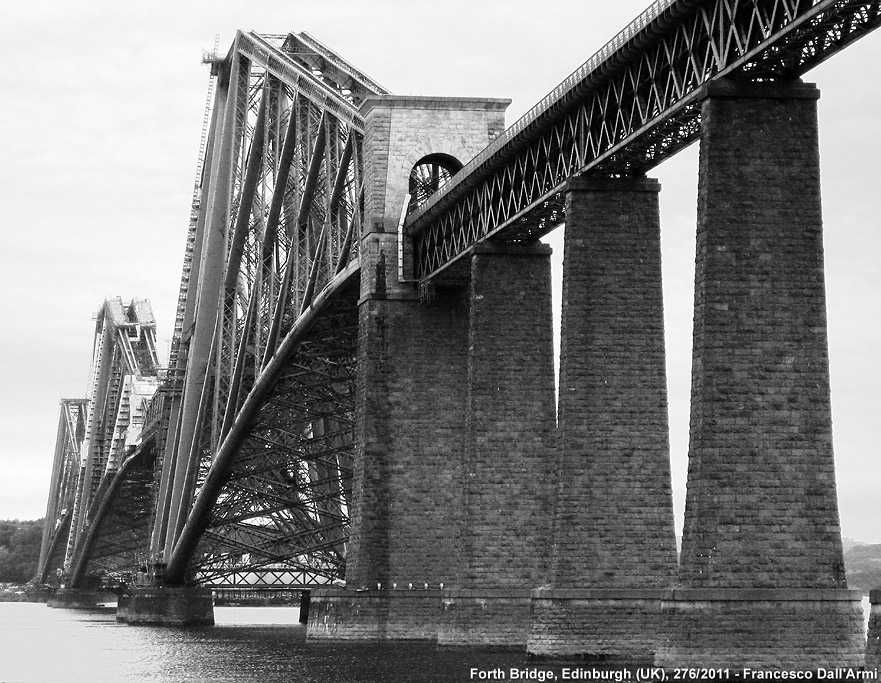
{"points": [[63, 485], [118, 533], [239, 547], [309, 523], [289, 196], [283, 577], [626, 109]]}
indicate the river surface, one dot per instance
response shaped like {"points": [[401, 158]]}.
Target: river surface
{"points": [[248, 644], [39, 644]]}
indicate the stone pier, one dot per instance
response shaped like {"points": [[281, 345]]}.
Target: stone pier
{"points": [[761, 580], [614, 540], [409, 504], [506, 479], [79, 598], [169, 606], [374, 615]]}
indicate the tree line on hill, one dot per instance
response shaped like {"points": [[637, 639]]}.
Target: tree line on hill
{"points": [[19, 549], [862, 561]]}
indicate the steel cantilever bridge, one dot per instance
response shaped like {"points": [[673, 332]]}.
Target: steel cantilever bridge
{"points": [[237, 468]]}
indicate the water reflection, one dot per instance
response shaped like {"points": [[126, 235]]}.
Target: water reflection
{"points": [[71, 646], [248, 644]]}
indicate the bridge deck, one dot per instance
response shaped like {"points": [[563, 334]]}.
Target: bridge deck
{"points": [[630, 106]]}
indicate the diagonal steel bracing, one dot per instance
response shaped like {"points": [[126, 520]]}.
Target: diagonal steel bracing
{"points": [[95, 441], [626, 109], [265, 424], [63, 486], [255, 480]]}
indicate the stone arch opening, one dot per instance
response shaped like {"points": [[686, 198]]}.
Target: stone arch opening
{"points": [[429, 175]]}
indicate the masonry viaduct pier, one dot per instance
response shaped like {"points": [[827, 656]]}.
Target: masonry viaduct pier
{"points": [[360, 399]]}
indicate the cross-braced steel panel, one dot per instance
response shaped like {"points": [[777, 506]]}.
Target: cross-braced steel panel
{"points": [[630, 106], [285, 502], [113, 548], [275, 475], [123, 377], [63, 487]]}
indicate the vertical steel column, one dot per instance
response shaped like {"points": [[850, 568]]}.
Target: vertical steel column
{"points": [[56, 488], [101, 361], [170, 451], [212, 268]]}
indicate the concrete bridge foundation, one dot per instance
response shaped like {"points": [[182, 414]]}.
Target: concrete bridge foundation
{"points": [[761, 578], [185, 606], [79, 598]]}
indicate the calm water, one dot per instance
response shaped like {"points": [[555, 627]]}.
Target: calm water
{"points": [[259, 644], [40, 644]]}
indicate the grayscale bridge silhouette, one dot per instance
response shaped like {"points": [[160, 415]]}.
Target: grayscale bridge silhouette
{"points": [[360, 400]]}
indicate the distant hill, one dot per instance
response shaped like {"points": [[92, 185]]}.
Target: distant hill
{"points": [[862, 561]]}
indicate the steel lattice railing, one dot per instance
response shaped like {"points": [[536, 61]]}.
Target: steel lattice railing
{"points": [[625, 110]]}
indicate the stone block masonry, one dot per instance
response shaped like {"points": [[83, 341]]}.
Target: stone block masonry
{"points": [[614, 538], [873, 646], [614, 515], [771, 629], [186, 606], [410, 403], [401, 130], [78, 598], [510, 420], [455, 429], [365, 616], [454, 404], [761, 517], [509, 457], [412, 358]]}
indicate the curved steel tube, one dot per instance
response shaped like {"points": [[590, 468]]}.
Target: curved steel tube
{"points": [[197, 520]]}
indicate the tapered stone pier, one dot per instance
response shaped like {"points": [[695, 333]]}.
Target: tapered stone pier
{"points": [[614, 543], [761, 580]]}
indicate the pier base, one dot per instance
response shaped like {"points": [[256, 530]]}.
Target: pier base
{"points": [[485, 617], [616, 625], [189, 606], [373, 615], [794, 629], [79, 598], [873, 648]]}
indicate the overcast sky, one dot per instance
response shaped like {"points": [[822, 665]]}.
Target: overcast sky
{"points": [[102, 105]]}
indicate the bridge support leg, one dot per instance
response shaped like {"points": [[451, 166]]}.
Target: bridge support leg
{"points": [[185, 606], [761, 580], [508, 466], [79, 598], [614, 537], [410, 408]]}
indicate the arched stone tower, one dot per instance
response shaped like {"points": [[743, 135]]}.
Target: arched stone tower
{"points": [[454, 406]]}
